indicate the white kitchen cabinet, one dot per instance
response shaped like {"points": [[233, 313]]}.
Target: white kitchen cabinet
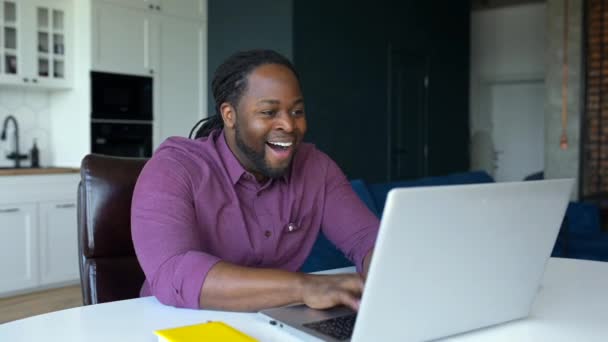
{"points": [[38, 232], [139, 4], [122, 39], [51, 65], [19, 246], [126, 37], [180, 87], [58, 242], [193, 9], [36, 38], [11, 52], [165, 45]]}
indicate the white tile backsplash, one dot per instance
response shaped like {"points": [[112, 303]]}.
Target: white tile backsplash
{"points": [[31, 109]]}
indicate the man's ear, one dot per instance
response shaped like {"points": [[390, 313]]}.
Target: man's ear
{"points": [[228, 115]]}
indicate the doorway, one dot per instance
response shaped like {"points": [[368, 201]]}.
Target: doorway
{"points": [[516, 109], [408, 115]]}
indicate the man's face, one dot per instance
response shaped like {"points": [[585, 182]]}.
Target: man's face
{"points": [[268, 124]]}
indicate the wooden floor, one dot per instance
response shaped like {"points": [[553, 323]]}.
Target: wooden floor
{"points": [[32, 304]]}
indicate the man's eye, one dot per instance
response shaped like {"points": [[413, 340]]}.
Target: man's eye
{"points": [[268, 112], [298, 112]]}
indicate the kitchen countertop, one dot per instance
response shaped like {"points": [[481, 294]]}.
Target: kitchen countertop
{"points": [[38, 171]]}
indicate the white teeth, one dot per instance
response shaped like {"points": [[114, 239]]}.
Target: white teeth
{"points": [[282, 144]]}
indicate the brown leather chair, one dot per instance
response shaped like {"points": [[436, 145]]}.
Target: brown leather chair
{"points": [[109, 269]]}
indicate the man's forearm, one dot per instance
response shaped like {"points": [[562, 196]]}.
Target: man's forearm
{"points": [[231, 287]]}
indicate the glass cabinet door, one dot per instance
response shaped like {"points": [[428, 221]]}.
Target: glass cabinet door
{"points": [[50, 43], [9, 64]]}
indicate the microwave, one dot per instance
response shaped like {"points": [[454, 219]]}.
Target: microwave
{"points": [[121, 97]]}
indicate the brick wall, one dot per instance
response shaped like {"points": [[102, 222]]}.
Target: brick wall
{"points": [[595, 131]]}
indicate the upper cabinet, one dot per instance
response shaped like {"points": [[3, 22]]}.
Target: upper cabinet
{"points": [[193, 9], [50, 44], [122, 39], [11, 55], [36, 40], [139, 4], [180, 90]]}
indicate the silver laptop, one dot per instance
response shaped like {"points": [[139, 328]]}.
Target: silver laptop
{"points": [[447, 260]]}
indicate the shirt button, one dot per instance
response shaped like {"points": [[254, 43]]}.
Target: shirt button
{"points": [[267, 233], [291, 227]]}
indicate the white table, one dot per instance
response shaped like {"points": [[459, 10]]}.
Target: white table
{"points": [[571, 306]]}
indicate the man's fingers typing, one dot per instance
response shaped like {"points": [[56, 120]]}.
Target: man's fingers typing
{"points": [[350, 300]]}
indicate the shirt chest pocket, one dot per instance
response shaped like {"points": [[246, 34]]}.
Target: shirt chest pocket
{"points": [[297, 235], [295, 229]]}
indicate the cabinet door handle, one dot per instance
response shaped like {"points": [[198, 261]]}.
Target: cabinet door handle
{"points": [[65, 206], [25, 79], [35, 80], [9, 210], [151, 6], [151, 71], [158, 8]]}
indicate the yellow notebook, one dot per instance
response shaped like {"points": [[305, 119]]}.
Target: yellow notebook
{"points": [[210, 331]]}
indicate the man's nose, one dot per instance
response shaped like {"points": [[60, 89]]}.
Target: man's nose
{"points": [[285, 121]]}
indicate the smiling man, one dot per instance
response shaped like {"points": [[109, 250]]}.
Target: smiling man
{"points": [[224, 221]]}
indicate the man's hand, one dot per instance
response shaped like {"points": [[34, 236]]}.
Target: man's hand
{"points": [[326, 291]]}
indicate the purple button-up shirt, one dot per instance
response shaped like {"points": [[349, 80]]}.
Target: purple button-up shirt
{"points": [[194, 205]]}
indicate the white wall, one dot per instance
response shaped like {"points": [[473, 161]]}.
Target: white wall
{"points": [[507, 45]]}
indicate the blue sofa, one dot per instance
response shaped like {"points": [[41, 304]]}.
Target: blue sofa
{"points": [[580, 236]]}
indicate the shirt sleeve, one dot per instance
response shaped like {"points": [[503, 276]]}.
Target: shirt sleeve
{"points": [[165, 234], [347, 221]]}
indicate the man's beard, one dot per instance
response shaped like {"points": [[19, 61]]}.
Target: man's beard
{"points": [[258, 159]]}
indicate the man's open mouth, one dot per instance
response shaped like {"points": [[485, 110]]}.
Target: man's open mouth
{"points": [[279, 146]]}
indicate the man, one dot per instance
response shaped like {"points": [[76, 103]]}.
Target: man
{"points": [[224, 221]]}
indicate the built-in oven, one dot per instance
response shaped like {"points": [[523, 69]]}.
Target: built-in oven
{"points": [[122, 139], [121, 114], [121, 97]]}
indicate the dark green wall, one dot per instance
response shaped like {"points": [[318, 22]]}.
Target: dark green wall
{"points": [[236, 25], [341, 51]]}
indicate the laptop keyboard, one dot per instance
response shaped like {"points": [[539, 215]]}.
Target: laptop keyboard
{"points": [[340, 328]]}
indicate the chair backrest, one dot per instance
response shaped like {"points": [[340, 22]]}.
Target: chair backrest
{"points": [[109, 269]]}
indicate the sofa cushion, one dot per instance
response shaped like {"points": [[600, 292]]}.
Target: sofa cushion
{"points": [[324, 256], [583, 218], [362, 190], [587, 246]]}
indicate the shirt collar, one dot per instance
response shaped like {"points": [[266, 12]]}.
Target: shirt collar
{"points": [[234, 167]]}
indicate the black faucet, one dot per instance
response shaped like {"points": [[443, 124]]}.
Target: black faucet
{"points": [[14, 155]]}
